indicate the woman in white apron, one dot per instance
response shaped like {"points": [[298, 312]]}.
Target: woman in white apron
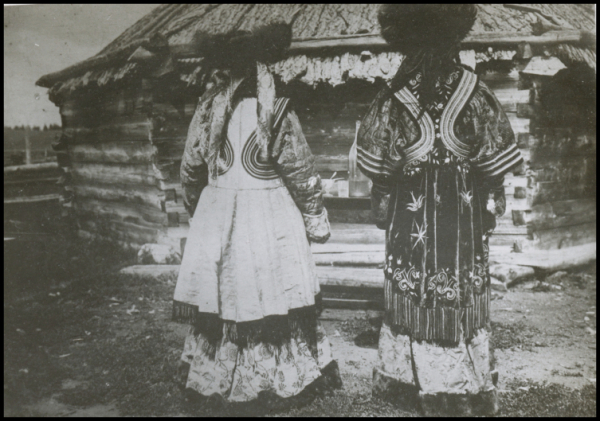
{"points": [[247, 283]]}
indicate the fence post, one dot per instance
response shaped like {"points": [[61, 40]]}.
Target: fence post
{"points": [[27, 147]]}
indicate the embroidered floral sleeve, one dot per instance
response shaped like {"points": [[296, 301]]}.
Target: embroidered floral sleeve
{"points": [[193, 170], [378, 130], [495, 151], [295, 164]]}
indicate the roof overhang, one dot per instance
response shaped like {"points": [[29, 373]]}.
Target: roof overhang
{"points": [[314, 44]]}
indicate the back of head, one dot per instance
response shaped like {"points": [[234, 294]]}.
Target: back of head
{"points": [[429, 35], [410, 28], [239, 50]]}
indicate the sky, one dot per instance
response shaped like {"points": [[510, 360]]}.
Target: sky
{"points": [[41, 39]]}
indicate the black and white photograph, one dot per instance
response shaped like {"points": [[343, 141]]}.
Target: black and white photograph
{"points": [[300, 210]]}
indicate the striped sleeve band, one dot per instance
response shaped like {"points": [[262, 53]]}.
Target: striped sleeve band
{"points": [[502, 163], [369, 163]]}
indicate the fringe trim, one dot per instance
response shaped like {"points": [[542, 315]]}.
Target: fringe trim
{"points": [[440, 324], [277, 330]]}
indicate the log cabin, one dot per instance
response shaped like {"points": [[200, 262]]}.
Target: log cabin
{"points": [[125, 114]]}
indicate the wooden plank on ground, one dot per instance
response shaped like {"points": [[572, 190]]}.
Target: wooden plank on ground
{"points": [[350, 277], [550, 260], [352, 304], [331, 248], [355, 259], [356, 233]]}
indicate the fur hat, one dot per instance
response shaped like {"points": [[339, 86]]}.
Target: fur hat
{"points": [[266, 44], [240, 52], [434, 27]]}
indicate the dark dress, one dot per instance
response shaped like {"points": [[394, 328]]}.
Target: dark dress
{"points": [[437, 187]]}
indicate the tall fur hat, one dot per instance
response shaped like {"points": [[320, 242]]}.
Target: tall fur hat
{"points": [[267, 44], [434, 27]]}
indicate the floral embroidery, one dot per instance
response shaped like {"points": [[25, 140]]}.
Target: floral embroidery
{"points": [[416, 203], [403, 277], [477, 275], [240, 373], [467, 197], [443, 285]]}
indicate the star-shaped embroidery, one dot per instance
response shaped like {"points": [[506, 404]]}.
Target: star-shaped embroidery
{"points": [[420, 234]]}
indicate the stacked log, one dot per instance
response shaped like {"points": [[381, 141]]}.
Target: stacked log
{"points": [[110, 163], [561, 184]]}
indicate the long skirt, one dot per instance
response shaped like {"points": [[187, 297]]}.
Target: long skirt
{"points": [[440, 380], [248, 287], [240, 372]]}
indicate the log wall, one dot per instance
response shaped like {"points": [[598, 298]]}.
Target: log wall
{"points": [[125, 149], [561, 174], [110, 163]]}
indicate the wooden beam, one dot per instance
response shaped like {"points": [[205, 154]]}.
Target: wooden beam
{"points": [[30, 168], [331, 163], [123, 231], [375, 40], [353, 259], [139, 131], [139, 214], [113, 173], [123, 152], [356, 233], [33, 199], [134, 195], [352, 304]]}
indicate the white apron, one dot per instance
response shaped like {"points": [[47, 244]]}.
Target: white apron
{"points": [[247, 255]]}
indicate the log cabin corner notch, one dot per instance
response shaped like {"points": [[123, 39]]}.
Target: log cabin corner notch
{"points": [[125, 111]]}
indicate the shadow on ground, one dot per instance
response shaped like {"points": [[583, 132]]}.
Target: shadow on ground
{"points": [[99, 344]]}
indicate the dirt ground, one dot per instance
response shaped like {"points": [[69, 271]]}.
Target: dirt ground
{"points": [[104, 346]]}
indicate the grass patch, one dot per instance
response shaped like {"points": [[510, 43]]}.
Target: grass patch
{"points": [[547, 400], [506, 336], [75, 329]]}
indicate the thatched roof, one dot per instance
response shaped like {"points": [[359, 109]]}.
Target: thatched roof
{"points": [[338, 26]]}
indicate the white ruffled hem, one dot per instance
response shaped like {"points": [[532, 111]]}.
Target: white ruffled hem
{"points": [[240, 374]]}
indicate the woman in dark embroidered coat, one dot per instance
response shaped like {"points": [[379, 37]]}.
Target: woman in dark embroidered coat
{"points": [[247, 281], [436, 145]]}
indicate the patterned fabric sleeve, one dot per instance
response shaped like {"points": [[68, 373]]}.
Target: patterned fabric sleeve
{"points": [[295, 164], [374, 138], [496, 152], [193, 170]]}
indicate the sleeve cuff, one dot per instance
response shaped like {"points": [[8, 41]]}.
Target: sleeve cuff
{"points": [[317, 227]]}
